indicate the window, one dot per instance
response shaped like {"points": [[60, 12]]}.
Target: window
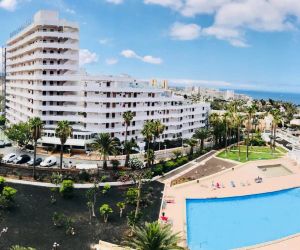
{"points": [[107, 125]]}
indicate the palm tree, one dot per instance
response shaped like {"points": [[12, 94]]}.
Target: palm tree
{"points": [[36, 126], [192, 143], [250, 112], [63, 131], [158, 129], [277, 118], [238, 120], [154, 236], [105, 145], [226, 124], [201, 134], [214, 121], [128, 147], [147, 132], [127, 117]]}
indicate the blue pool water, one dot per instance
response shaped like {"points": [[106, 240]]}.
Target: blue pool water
{"points": [[227, 223]]}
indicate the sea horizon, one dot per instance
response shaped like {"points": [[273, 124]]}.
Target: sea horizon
{"points": [[277, 96]]}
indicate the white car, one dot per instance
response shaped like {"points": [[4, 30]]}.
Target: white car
{"points": [[49, 161], [9, 158]]}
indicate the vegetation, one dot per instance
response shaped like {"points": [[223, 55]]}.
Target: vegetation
{"points": [[19, 133], [105, 210], [18, 247], [121, 206], [36, 126], [105, 145], [63, 131], [66, 189], [154, 236]]}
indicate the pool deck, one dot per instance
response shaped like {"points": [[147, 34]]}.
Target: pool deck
{"points": [[243, 176]]}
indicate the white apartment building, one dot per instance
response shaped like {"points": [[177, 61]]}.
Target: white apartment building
{"points": [[43, 79]]}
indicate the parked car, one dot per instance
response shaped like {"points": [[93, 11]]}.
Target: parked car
{"points": [[9, 157], [49, 161], [22, 159], [37, 162], [2, 144], [8, 144]]}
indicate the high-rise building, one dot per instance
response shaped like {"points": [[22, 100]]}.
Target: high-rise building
{"points": [[43, 80]]}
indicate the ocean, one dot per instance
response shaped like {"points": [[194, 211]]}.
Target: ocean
{"points": [[288, 97]]}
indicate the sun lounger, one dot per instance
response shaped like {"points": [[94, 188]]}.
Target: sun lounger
{"points": [[258, 180], [232, 184]]}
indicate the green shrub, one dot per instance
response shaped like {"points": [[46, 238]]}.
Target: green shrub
{"points": [[158, 169], [18, 247], [58, 219], [105, 189], [66, 188], [84, 176], [9, 193], [2, 183], [131, 195], [169, 165]]}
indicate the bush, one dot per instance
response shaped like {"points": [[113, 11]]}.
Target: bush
{"points": [[158, 169], [9, 193], [58, 219], [18, 247], [169, 166], [182, 161], [67, 188], [2, 183], [84, 176], [131, 195], [115, 164], [106, 187]]}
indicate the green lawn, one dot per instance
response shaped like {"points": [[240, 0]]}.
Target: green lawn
{"points": [[255, 153]]}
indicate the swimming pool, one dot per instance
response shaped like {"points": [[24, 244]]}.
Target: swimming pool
{"points": [[228, 223]]}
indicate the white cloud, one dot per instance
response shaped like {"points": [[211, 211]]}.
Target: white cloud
{"points": [[70, 11], [115, 1], [232, 19], [87, 57], [105, 41], [175, 4], [111, 61], [147, 59], [180, 31], [8, 4]]}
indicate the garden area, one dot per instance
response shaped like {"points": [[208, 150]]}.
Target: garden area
{"points": [[39, 216], [255, 153]]}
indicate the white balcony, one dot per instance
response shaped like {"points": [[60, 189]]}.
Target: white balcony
{"points": [[39, 66], [41, 77]]}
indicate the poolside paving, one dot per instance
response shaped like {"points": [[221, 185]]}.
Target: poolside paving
{"points": [[243, 177]]}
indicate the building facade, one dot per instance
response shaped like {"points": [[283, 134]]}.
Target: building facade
{"points": [[44, 80]]}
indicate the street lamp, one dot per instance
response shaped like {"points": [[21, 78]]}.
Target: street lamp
{"points": [[165, 151]]}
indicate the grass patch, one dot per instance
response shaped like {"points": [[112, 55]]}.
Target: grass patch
{"points": [[255, 153]]}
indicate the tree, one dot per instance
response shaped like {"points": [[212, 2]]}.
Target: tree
{"points": [[226, 118], [154, 236], [105, 210], [192, 143], [150, 157], [277, 118], [63, 131], [147, 132], [158, 130], [19, 133], [127, 117], [105, 145], [238, 120], [36, 126], [121, 206], [250, 111], [91, 195], [129, 146], [177, 153], [201, 134]]}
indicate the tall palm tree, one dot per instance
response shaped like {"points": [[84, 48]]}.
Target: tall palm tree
{"points": [[226, 117], [201, 134], [250, 111], [127, 117], [192, 143], [128, 147], [277, 118], [63, 131], [36, 126], [238, 120], [105, 145], [154, 236], [215, 122], [147, 132], [158, 129]]}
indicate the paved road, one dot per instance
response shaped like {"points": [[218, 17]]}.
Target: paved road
{"points": [[285, 143]]}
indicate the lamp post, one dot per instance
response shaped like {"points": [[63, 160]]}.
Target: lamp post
{"points": [[55, 246], [165, 151]]}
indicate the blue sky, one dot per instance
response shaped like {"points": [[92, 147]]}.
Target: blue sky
{"points": [[247, 44]]}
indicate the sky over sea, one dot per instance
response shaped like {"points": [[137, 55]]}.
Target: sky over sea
{"points": [[246, 44]]}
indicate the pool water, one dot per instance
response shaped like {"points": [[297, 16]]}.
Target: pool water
{"points": [[228, 223]]}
